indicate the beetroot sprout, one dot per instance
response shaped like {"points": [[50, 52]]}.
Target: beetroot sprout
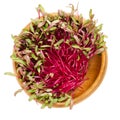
{"points": [[51, 55]]}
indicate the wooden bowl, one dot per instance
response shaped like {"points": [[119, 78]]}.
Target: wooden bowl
{"points": [[95, 74]]}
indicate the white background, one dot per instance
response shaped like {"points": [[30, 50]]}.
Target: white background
{"points": [[104, 103]]}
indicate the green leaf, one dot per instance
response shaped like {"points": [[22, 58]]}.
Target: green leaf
{"points": [[54, 22], [40, 86], [69, 27], [26, 51], [27, 58], [43, 105], [87, 49], [29, 41], [38, 69], [31, 27], [78, 58], [48, 90], [34, 56], [99, 28], [86, 22], [58, 43], [55, 100], [76, 46], [50, 105], [67, 103], [24, 32], [13, 37], [85, 53], [45, 46], [32, 97], [80, 18], [36, 49], [86, 41], [38, 64], [31, 90], [30, 77], [28, 83], [41, 9], [91, 14], [9, 73], [20, 80], [52, 101], [61, 99], [74, 20], [41, 24], [53, 28], [76, 39], [63, 25], [48, 22], [18, 60], [46, 25], [98, 51], [95, 36], [102, 44], [46, 94]]}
